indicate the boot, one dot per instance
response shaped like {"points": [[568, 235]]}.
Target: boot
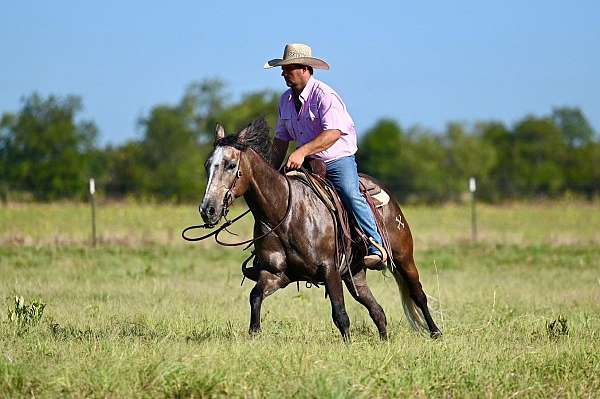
{"points": [[375, 261]]}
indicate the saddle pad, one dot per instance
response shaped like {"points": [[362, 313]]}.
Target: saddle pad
{"points": [[381, 199]]}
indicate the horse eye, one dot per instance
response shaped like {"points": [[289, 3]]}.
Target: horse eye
{"points": [[230, 166]]}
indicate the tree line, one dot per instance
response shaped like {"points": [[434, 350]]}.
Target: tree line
{"points": [[47, 152]]}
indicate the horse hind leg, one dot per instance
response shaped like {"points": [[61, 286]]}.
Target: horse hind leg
{"points": [[407, 279], [365, 297], [266, 285]]}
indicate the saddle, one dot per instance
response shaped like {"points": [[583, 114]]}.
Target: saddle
{"points": [[347, 233]]}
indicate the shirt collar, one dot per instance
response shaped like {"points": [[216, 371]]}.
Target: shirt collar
{"points": [[307, 89], [305, 92]]}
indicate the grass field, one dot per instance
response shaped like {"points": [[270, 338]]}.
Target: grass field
{"points": [[146, 314]]}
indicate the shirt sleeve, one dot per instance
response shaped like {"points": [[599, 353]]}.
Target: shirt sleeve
{"points": [[281, 132], [333, 114]]}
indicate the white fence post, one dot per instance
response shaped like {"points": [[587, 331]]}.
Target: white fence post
{"points": [[93, 202], [472, 189]]}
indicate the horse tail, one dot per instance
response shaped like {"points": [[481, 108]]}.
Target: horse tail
{"points": [[411, 310]]}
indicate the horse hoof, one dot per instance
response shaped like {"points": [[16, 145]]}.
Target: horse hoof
{"points": [[436, 334], [254, 332]]}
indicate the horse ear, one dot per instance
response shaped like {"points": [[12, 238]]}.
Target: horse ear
{"points": [[219, 132]]}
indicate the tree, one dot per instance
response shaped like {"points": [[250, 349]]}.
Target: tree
{"points": [[573, 125], [201, 103], [167, 162], [253, 105], [583, 173], [171, 154], [539, 155], [383, 154], [125, 170], [500, 183], [469, 155], [44, 150], [427, 162]]}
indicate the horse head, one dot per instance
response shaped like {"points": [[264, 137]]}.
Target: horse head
{"points": [[227, 172]]}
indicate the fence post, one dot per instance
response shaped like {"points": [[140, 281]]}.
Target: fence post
{"points": [[472, 189], [93, 202]]}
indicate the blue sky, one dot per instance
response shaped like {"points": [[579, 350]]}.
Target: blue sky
{"points": [[423, 63]]}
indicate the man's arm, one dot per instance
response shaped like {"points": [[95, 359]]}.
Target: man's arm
{"points": [[323, 141], [278, 150]]}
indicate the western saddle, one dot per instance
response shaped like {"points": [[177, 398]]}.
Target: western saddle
{"points": [[348, 235]]}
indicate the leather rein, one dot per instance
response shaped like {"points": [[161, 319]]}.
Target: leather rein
{"points": [[227, 201]]}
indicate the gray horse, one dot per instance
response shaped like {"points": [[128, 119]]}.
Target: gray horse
{"points": [[301, 244]]}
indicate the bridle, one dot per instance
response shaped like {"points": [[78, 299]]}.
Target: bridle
{"points": [[227, 201], [229, 194]]}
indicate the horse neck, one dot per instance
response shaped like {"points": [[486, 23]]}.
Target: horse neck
{"points": [[267, 194]]}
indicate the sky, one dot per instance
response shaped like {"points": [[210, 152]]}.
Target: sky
{"points": [[420, 63]]}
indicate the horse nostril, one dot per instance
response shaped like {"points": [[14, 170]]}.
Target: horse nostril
{"points": [[211, 210]]}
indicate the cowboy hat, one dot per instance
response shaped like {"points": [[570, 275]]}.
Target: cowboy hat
{"points": [[297, 54]]}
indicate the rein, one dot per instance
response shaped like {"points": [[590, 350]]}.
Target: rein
{"points": [[227, 201]]}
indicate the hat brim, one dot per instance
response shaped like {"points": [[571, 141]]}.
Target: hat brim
{"points": [[310, 61]]}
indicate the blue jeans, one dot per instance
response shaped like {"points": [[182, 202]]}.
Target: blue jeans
{"points": [[342, 172]]}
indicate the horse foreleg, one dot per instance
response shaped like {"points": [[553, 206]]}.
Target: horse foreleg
{"points": [[266, 285], [333, 285], [365, 297]]}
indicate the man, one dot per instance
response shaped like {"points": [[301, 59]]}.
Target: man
{"points": [[313, 114]]}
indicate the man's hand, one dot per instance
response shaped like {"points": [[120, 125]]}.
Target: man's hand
{"points": [[296, 159], [323, 141]]}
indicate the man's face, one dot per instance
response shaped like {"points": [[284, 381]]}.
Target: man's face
{"points": [[294, 74]]}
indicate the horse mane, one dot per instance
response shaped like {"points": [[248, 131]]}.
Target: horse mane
{"points": [[255, 135]]}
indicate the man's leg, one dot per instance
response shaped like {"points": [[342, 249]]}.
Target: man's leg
{"points": [[343, 174]]}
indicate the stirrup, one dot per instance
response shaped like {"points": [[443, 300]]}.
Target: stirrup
{"points": [[374, 261]]}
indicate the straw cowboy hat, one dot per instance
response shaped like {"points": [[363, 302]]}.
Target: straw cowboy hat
{"points": [[297, 54]]}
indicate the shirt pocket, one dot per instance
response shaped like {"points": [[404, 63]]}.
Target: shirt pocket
{"points": [[312, 120], [286, 120]]}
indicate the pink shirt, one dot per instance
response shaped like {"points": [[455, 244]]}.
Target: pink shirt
{"points": [[322, 109]]}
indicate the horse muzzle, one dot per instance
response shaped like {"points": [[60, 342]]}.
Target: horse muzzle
{"points": [[210, 213]]}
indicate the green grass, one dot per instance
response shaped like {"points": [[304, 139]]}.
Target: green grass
{"points": [[152, 316], [554, 223]]}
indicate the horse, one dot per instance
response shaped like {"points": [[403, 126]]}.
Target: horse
{"points": [[294, 234]]}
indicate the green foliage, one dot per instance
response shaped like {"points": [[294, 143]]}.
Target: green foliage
{"points": [[583, 172], [46, 153], [253, 105], [167, 163], [576, 130], [468, 156], [43, 149], [23, 315], [385, 153], [557, 328], [538, 157]]}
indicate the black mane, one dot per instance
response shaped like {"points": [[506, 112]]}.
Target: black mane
{"points": [[255, 136]]}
